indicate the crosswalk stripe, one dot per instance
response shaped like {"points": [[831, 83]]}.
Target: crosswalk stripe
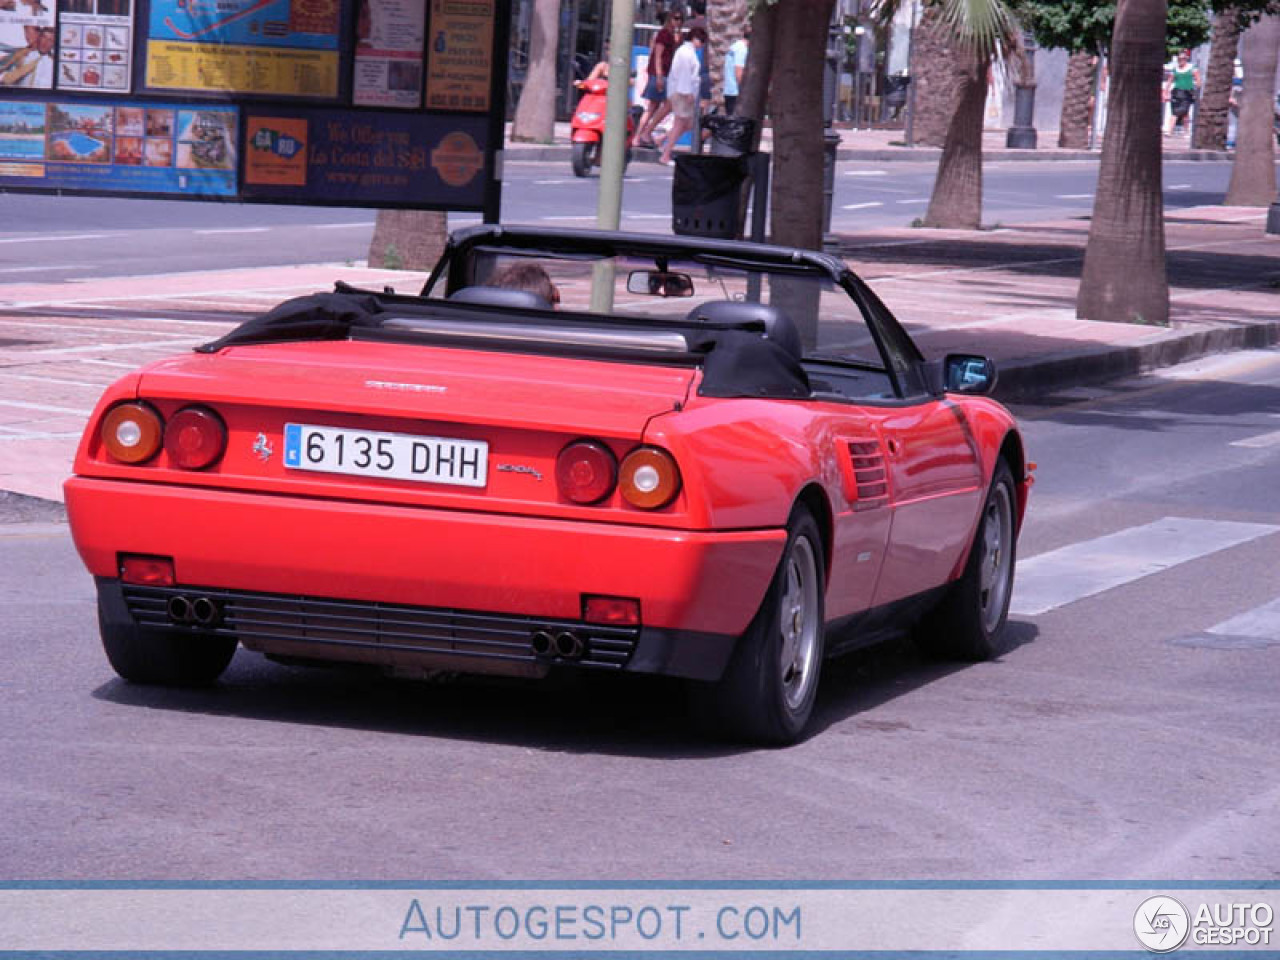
{"points": [[1262, 622], [1062, 576]]}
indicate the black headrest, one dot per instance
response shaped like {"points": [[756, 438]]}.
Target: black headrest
{"points": [[500, 297], [778, 327]]}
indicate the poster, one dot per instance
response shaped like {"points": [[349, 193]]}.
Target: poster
{"points": [[389, 45], [460, 61], [27, 41], [286, 48], [95, 45], [367, 159], [121, 147]]}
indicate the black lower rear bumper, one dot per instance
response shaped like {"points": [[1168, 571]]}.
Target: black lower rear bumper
{"points": [[406, 637]]}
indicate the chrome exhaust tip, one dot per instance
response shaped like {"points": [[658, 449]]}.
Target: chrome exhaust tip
{"points": [[543, 643], [569, 645], [179, 609], [205, 612]]}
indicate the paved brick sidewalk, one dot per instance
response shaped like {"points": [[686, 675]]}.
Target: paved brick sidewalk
{"points": [[1008, 293]]}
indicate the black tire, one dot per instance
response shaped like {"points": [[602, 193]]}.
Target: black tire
{"points": [[969, 622], [761, 698], [171, 658], [585, 156]]}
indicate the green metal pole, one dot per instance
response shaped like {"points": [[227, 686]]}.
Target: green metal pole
{"points": [[613, 155]]}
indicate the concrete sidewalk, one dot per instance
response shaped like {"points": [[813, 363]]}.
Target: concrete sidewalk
{"points": [[1007, 293], [879, 146]]}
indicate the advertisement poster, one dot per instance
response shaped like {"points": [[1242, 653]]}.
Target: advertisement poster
{"points": [[95, 45], [128, 148], [389, 45], [390, 158], [270, 47], [27, 40], [460, 61]]}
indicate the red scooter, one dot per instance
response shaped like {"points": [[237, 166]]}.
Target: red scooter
{"points": [[588, 126]]}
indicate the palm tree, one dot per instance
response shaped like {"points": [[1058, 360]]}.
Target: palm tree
{"points": [[536, 112], [1210, 132], [725, 22], [1253, 174], [1124, 276], [1077, 101]]}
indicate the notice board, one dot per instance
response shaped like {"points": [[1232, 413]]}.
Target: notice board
{"points": [[368, 103]]}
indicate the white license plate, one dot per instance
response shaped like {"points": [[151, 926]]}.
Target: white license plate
{"points": [[401, 456]]}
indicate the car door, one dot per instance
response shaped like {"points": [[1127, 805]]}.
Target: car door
{"points": [[935, 491]]}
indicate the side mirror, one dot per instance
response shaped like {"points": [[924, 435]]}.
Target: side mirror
{"points": [[962, 373], [658, 283]]}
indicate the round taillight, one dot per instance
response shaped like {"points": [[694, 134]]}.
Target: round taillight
{"points": [[132, 432], [649, 478], [194, 438], [586, 471]]}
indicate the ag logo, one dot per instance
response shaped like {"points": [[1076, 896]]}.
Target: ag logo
{"points": [[1162, 924]]}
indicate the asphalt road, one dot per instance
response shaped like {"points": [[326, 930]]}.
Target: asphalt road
{"points": [[48, 238], [1128, 735]]}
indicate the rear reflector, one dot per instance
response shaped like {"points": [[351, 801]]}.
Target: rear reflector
{"points": [[586, 471], [194, 438], [148, 571], [619, 611]]}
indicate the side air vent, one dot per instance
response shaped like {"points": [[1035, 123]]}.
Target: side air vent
{"points": [[870, 487]]}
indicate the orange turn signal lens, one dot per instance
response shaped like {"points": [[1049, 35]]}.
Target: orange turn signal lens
{"points": [[648, 478], [132, 432]]}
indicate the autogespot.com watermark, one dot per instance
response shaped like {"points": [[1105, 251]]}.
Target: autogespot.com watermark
{"points": [[1163, 924], [478, 924]]}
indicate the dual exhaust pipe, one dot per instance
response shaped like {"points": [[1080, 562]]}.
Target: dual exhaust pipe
{"points": [[200, 611], [564, 644]]}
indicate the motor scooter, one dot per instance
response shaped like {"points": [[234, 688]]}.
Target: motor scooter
{"points": [[587, 126]]}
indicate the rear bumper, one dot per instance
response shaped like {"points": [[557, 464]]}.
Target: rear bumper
{"points": [[697, 590]]}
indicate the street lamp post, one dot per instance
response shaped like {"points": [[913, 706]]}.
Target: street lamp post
{"points": [[1022, 135]]}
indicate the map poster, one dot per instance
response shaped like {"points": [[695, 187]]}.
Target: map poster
{"points": [[27, 41], [283, 48], [460, 57], [374, 158], [134, 147], [95, 45], [389, 44]]}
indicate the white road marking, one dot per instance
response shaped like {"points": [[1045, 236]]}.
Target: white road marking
{"points": [[917, 200], [104, 347], [1178, 186], [46, 408], [861, 206], [866, 173], [1062, 576], [362, 224], [48, 268], [1261, 440], [1262, 622], [1073, 196], [55, 239], [591, 216], [207, 233], [108, 363], [4, 375]]}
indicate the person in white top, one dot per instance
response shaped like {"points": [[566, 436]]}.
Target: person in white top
{"points": [[682, 88]]}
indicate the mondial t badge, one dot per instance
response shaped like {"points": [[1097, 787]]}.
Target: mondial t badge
{"points": [[519, 468], [262, 447]]}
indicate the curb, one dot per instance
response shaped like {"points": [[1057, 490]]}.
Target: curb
{"points": [[1021, 381]]}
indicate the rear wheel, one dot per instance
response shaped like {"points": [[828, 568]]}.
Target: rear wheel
{"points": [[768, 690], [585, 156], [969, 623], [174, 658]]}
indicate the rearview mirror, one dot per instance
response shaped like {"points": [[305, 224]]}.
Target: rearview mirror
{"points": [[658, 283]]}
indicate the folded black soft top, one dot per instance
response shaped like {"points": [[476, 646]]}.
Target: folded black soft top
{"points": [[737, 359]]}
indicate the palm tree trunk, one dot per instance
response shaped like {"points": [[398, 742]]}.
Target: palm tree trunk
{"points": [[1212, 112], [753, 94], [936, 76], [1124, 277], [535, 117], [1253, 174], [725, 22], [408, 239], [1077, 102], [956, 202], [796, 195]]}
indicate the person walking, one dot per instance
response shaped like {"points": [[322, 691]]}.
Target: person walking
{"points": [[661, 54], [1180, 91], [683, 89], [735, 62]]}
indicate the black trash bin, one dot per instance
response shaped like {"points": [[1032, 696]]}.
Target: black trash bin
{"points": [[730, 136], [706, 196]]}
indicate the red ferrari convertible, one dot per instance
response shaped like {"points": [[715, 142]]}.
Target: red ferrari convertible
{"points": [[574, 450]]}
